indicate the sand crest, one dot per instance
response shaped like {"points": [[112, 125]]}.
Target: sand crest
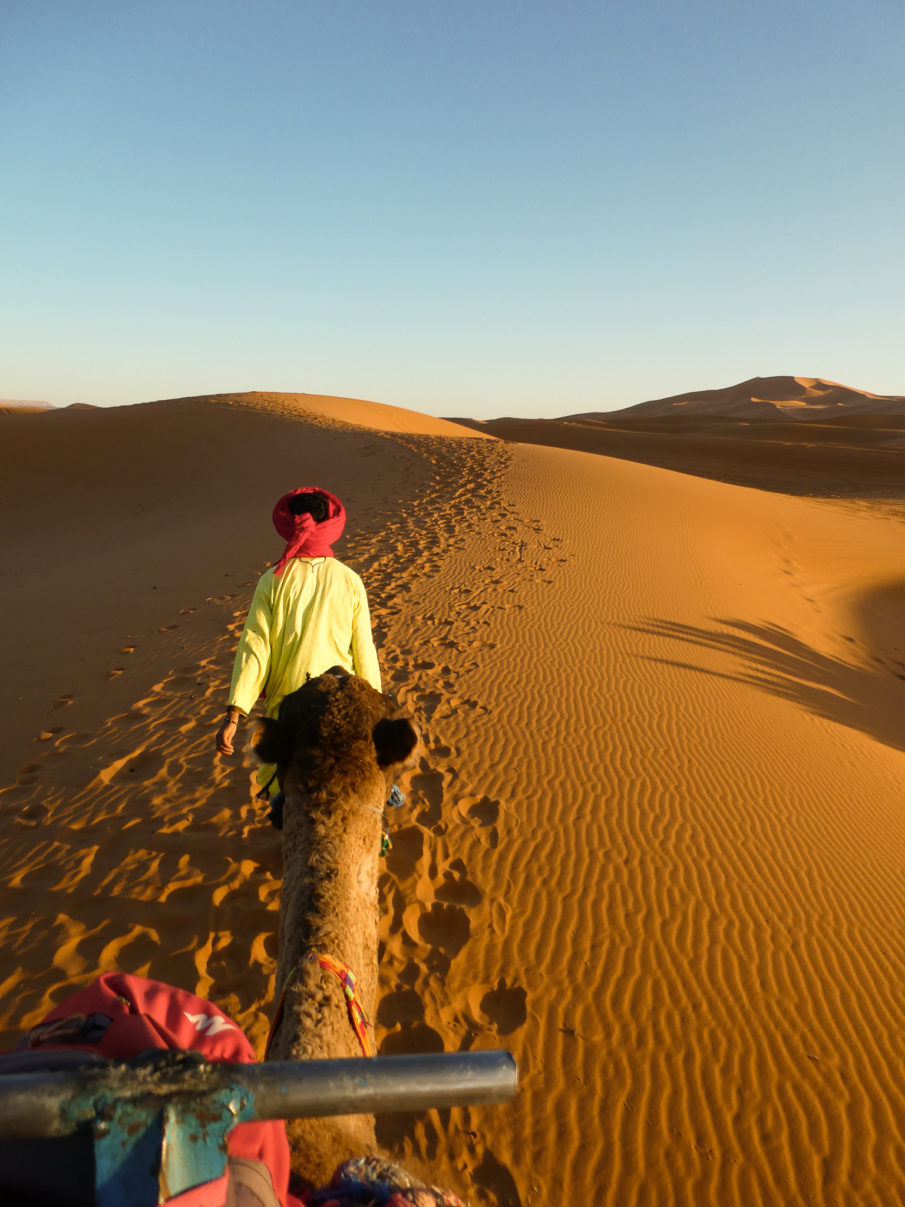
{"points": [[655, 845]]}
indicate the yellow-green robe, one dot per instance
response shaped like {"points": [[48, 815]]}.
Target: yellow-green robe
{"points": [[313, 616]]}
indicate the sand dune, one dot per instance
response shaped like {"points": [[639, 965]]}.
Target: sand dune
{"points": [[19, 406], [752, 434], [655, 845], [799, 398]]}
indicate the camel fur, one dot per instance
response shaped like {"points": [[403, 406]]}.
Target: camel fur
{"points": [[337, 744]]}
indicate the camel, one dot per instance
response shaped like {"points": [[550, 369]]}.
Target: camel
{"points": [[337, 744]]}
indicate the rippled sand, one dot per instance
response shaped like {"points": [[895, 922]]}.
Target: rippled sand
{"points": [[656, 842]]}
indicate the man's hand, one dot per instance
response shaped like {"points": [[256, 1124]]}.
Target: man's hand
{"points": [[227, 732]]}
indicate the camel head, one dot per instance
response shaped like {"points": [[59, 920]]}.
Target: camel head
{"points": [[335, 738]]}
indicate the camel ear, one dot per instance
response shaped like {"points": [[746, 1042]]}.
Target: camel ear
{"points": [[394, 741], [271, 742]]}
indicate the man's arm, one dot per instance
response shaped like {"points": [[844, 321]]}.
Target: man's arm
{"points": [[251, 665], [364, 652]]}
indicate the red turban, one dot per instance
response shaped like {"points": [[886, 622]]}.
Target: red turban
{"points": [[306, 537]]}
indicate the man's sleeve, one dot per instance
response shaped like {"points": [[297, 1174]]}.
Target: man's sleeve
{"points": [[364, 652], [253, 655]]}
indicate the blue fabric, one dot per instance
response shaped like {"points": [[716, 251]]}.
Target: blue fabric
{"points": [[276, 810]]}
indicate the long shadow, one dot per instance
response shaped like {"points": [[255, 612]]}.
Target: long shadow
{"points": [[774, 660]]}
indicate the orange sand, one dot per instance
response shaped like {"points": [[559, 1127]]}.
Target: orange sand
{"points": [[656, 843]]}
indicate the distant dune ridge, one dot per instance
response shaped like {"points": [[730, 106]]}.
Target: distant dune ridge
{"points": [[751, 434], [656, 842], [15, 405], [803, 398]]}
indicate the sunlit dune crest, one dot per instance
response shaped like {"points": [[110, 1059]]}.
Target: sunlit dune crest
{"points": [[355, 412], [655, 845]]}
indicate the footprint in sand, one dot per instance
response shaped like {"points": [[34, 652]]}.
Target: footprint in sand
{"points": [[492, 1175], [407, 849], [458, 890], [418, 1038], [403, 1007], [506, 1006], [441, 752], [76, 739], [445, 928], [144, 766], [27, 774], [182, 680], [427, 784], [31, 815], [485, 811], [410, 974], [428, 703]]}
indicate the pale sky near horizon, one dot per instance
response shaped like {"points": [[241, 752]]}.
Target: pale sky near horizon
{"points": [[463, 207]]}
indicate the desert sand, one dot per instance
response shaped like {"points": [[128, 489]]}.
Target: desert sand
{"points": [[655, 845]]}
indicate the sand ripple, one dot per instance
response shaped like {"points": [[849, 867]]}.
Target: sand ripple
{"points": [[655, 844]]}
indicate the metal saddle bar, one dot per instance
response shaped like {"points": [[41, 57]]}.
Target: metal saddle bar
{"points": [[64, 1102]]}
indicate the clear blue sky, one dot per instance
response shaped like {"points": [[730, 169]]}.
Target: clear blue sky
{"points": [[465, 207]]}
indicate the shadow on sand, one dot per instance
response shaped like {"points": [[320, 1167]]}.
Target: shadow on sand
{"points": [[870, 698]]}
